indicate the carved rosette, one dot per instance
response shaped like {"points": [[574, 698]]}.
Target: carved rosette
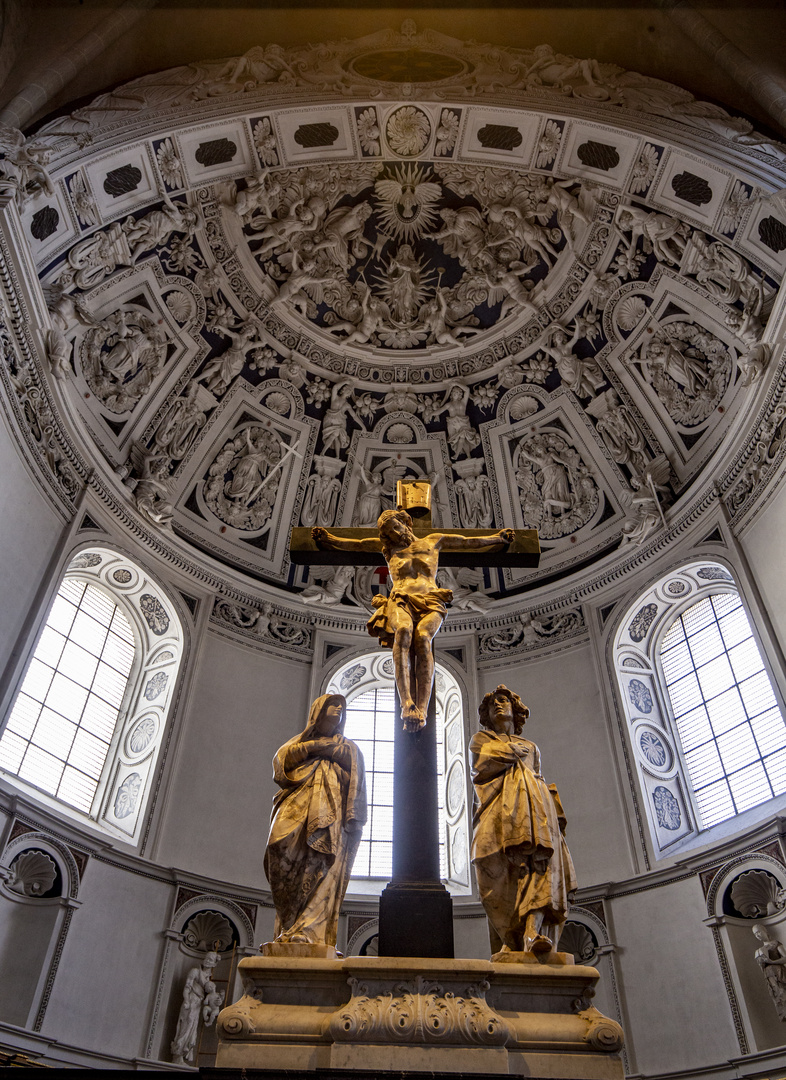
{"points": [[418, 1011]]}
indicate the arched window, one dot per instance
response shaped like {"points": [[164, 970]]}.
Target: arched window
{"points": [[367, 683], [708, 735], [87, 719]]}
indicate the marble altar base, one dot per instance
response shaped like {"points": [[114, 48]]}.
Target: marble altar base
{"points": [[403, 1014]]}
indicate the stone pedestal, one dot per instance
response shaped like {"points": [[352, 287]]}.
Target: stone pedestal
{"points": [[403, 1014]]}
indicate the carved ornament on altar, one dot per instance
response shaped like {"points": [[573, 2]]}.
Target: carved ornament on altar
{"points": [[418, 1011]]}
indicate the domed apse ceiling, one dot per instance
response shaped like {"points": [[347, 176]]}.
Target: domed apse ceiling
{"points": [[280, 282]]}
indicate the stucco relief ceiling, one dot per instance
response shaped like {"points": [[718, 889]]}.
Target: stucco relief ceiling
{"points": [[278, 283]]}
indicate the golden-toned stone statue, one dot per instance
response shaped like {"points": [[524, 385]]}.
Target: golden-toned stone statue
{"points": [[318, 817], [523, 866], [410, 616]]}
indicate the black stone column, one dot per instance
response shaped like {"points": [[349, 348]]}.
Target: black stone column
{"points": [[415, 910]]}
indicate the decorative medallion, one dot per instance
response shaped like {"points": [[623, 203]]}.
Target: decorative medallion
{"points": [[455, 788], [714, 573], [127, 796], [458, 851], [408, 131], [142, 734], [642, 621], [352, 676], [156, 685], [86, 559], [154, 613], [640, 696], [453, 738], [667, 809], [122, 577], [676, 588], [121, 357], [689, 369], [653, 749]]}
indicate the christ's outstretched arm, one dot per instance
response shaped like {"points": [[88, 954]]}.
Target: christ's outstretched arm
{"points": [[329, 542], [455, 541]]}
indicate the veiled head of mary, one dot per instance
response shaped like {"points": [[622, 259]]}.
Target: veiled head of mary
{"points": [[327, 717]]}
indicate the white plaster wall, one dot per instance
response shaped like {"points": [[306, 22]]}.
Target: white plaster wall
{"points": [[244, 705], [109, 967], [763, 545], [471, 937], [568, 724], [25, 933], [29, 531], [678, 1014]]}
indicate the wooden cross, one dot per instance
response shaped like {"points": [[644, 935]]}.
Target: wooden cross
{"points": [[415, 909]]}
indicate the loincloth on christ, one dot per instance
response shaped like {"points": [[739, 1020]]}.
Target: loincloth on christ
{"points": [[418, 605]]}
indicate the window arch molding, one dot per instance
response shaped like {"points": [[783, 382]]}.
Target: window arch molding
{"points": [[365, 670], [672, 809], [133, 729]]}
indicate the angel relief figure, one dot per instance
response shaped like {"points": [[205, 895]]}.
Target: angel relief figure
{"points": [[220, 372], [371, 315], [304, 276], [151, 491], [23, 163], [156, 226], [343, 234], [666, 236], [463, 234], [379, 488], [182, 423], [437, 320], [302, 218], [461, 435], [582, 375], [242, 482], [334, 423], [568, 207]]}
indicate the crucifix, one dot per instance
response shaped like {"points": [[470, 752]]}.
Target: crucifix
{"points": [[415, 908]]}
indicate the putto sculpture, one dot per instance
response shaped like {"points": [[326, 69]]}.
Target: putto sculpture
{"points": [[199, 997], [524, 870], [318, 817], [771, 958]]}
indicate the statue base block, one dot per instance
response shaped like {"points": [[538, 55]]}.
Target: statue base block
{"points": [[304, 950], [417, 1015]]}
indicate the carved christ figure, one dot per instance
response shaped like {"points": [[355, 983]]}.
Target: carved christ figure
{"points": [[410, 616]]}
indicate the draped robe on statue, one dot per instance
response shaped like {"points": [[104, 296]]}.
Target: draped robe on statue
{"points": [[518, 822], [314, 834]]}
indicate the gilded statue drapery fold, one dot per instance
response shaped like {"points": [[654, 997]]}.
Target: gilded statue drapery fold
{"points": [[318, 816], [521, 859]]}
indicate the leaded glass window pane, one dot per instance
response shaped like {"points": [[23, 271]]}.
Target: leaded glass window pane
{"points": [[732, 731], [61, 725]]}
